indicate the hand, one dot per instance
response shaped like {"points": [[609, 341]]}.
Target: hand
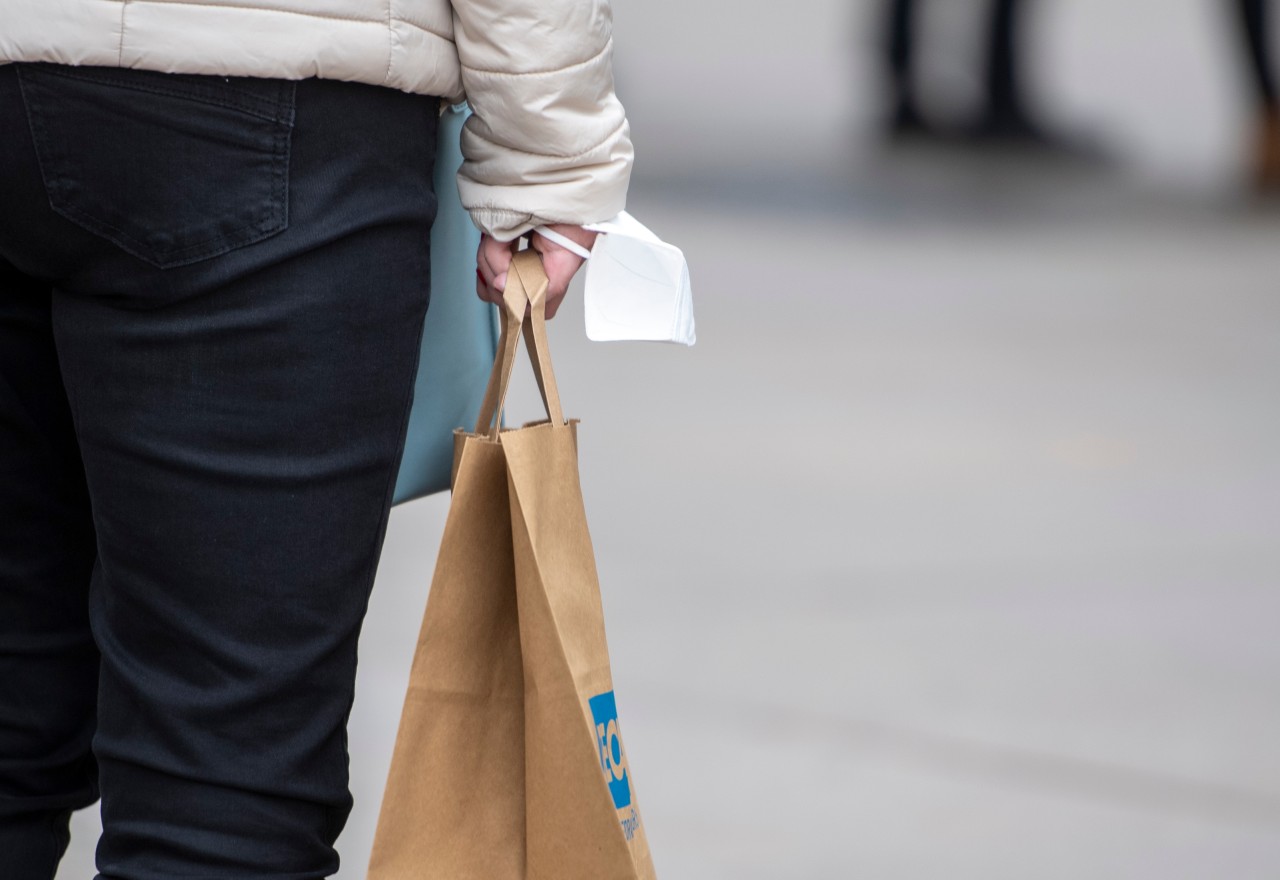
{"points": [[494, 259]]}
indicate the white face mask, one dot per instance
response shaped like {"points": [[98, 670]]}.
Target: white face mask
{"points": [[637, 286]]}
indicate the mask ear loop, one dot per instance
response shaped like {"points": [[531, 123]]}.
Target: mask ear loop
{"points": [[564, 242]]}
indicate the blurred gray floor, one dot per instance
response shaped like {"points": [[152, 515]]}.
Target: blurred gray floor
{"points": [[951, 550]]}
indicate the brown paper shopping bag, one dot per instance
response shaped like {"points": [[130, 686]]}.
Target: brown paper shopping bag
{"points": [[508, 764]]}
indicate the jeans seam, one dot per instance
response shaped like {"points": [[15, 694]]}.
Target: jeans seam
{"points": [[388, 493], [173, 93], [37, 129], [406, 406], [56, 842]]}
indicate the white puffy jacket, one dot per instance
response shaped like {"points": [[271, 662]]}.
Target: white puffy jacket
{"points": [[548, 143]]}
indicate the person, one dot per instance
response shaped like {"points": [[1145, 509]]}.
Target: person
{"points": [[1254, 18], [214, 264], [1005, 114]]}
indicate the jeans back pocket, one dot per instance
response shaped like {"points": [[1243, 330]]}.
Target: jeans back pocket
{"points": [[172, 168]]}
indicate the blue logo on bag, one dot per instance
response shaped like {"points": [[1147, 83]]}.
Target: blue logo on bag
{"points": [[604, 711]]}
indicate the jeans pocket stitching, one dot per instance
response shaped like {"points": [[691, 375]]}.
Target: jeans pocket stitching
{"points": [[269, 225]]}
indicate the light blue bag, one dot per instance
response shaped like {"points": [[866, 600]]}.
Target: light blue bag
{"points": [[460, 338]]}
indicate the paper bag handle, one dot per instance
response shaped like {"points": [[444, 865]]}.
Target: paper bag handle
{"points": [[525, 307]]}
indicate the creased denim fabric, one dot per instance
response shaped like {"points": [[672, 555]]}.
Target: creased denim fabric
{"points": [[211, 299]]}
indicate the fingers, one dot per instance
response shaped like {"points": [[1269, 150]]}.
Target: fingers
{"points": [[561, 264], [493, 259]]}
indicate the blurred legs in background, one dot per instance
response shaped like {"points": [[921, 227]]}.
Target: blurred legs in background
{"points": [[1005, 114], [1254, 21], [905, 117]]}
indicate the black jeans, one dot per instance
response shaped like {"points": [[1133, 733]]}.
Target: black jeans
{"points": [[211, 299]]}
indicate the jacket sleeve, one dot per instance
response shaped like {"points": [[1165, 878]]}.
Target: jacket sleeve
{"points": [[548, 141]]}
